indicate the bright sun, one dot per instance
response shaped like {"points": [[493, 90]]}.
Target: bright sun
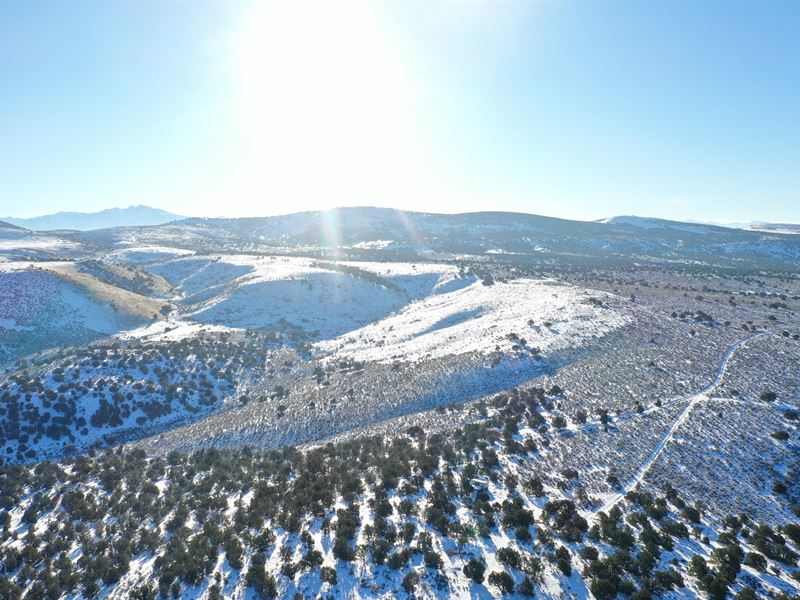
{"points": [[326, 106]]}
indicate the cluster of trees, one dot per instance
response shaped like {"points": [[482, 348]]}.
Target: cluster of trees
{"points": [[430, 499], [697, 316], [116, 386]]}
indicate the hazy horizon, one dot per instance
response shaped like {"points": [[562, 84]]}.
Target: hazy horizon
{"points": [[365, 206]]}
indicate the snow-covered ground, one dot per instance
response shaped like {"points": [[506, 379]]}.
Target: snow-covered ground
{"points": [[48, 310], [35, 242], [533, 314], [405, 347], [137, 255], [320, 298], [173, 330], [102, 392], [383, 310], [319, 302]]}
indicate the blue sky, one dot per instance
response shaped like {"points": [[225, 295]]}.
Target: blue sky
{"points": [[576, 109]]}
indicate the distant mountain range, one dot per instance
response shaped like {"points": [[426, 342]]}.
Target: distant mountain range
{"points": [[110, 217], [141, 215], [368, 233]]}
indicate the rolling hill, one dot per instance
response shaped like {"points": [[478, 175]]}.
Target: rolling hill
{"points": [[56, 304], [375, 233]]}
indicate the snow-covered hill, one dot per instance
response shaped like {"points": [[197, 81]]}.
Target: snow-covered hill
{"points": [[367, 403], [376, 233], [534, 316], [17, 243], [99, 395], [55, 305]]}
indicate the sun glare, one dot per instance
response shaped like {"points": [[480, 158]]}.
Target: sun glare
{"points": [[325, 105]]}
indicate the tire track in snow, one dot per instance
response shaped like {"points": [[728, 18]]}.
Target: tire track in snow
{"points": [[703, 394]]}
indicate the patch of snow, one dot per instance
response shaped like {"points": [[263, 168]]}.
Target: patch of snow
{"points": [[35, 242], [135, 255], [374, 244], [173, 330]]}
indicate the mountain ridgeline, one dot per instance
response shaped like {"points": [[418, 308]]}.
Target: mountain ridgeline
{"points": [[110, 217], [511, 237]]}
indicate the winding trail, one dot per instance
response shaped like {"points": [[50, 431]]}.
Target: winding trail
{"points": [[703, 394]]}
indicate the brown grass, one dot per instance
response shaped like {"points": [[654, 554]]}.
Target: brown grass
{"points": [[160, 285], [124, 300]]}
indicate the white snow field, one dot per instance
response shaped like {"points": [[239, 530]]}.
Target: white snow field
{"points": [[538, 315], [36, 242], [318, 301], [320, 298], [138, 255], [381, 311], [172, 330]]}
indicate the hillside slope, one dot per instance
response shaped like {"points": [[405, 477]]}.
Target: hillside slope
{"points": [[56, 305]]}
